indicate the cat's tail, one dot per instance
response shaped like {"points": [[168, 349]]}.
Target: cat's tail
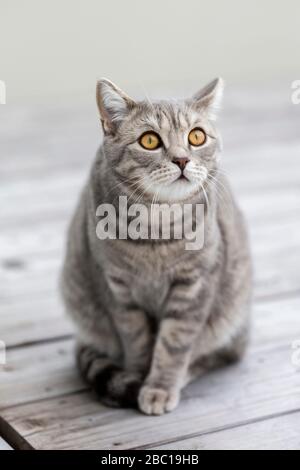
{"points": [[114, 386]]}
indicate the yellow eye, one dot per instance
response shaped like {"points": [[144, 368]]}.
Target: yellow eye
{"points": [[197, 137], [150, 141]]}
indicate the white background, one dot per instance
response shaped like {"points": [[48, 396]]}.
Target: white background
{"points": [[57, 49]]}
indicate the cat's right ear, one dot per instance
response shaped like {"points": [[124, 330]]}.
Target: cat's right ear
{"points": [[209, 98], [113, 105]]}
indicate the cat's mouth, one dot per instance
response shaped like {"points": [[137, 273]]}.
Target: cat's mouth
{"points": [[176, 187]]}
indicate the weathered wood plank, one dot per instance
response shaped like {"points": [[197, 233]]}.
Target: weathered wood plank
{"points": [[47, 369], [278, 433], [265, 383], [39, 372], [49, 139], [34, 320]]}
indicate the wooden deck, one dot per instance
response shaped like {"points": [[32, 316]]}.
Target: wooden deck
{"points": [[45, 155]]}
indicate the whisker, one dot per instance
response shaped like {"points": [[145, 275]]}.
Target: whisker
{"points": [[221, 184], [205, 195], [138, 187], [120, 183], [221, 198], [225, 191]]}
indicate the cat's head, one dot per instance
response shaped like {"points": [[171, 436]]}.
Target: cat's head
{"points": [[162, 151]]}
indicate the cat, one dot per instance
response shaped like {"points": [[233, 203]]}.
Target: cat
{"points": [[150, 315]]}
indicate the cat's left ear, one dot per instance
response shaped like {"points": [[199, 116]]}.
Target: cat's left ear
{"points": [[113, 105], [209, 98]]}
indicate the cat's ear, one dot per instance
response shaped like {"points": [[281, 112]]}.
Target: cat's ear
{"points": [[113, 105], [209, 98]]}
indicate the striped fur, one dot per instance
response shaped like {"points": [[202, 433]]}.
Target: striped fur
{"points": [[150, 315]]}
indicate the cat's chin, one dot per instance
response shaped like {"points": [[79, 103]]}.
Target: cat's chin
{"points": [[180, 190]]}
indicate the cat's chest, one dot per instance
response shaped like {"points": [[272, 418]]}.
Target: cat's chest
{"points": [[148, 271], [151, 292]]}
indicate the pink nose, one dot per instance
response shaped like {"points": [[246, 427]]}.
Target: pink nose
{"points": [[181, 162]]}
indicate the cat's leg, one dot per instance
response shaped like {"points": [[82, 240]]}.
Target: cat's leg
{"points": [[117, 359], [108, 328], [107, 378], [192, 322], [100, 355], [179, 329], [118, 383], [134, 327], [136, 335]]}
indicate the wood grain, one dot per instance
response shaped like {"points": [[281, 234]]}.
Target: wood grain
{"points": [[263, 385], [39, 372], [266, 382], [47, 369], [263, 435]]}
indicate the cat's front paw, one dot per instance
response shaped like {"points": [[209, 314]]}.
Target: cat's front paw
{"points": [[157, 401]]}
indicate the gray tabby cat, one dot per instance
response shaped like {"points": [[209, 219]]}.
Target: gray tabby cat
{"points": [[151, 316]]}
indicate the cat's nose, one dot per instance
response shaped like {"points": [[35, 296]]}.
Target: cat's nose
{"points": [[181, 162]]}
